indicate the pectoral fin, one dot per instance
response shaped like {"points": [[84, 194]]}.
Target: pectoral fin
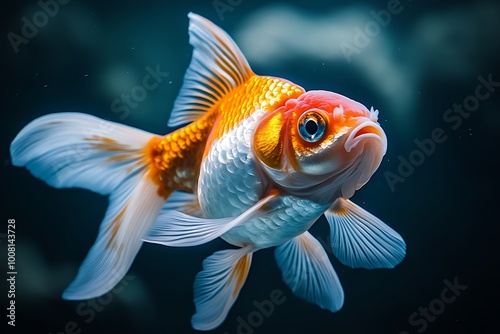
{"points": [[361, 240], [308, 272], [182, 202], [173, 228]]}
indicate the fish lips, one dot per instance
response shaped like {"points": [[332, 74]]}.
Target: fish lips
{"points": [[366, 130], [364, 137], [340, 169]]}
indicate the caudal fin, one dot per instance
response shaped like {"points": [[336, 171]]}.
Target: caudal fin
{"points": [[77, 150]]}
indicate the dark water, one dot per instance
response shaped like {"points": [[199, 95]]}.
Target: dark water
{"points": [[413, 67]]}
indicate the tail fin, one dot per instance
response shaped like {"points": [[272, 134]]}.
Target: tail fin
{"points": [[77, 150]]}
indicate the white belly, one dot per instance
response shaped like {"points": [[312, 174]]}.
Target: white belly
{"points": [[290, 217]]}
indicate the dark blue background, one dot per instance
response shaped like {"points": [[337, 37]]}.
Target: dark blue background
{"points": [[426, 59]]}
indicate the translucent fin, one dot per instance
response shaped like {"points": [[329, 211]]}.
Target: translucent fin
{"points": [[217, 66], [178, 199], [173, 228], [217, 286], [132, 211], [71, 150], [361, 240], [308, 272], [177, 229], [184, 202], [78, 150]]}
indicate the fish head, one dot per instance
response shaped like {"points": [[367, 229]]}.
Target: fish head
{"points": [[321, 145]]}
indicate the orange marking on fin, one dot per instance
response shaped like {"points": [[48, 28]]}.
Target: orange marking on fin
{"points": [[108, 140], [121, 157], [306, 244], [240, 272], [114, 226], [269, 206], [339, 207], [192, 208], [107, 144], [103, 139]]}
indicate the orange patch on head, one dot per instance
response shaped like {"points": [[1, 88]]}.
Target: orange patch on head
{"points": [[268, 140], [257, 93]]}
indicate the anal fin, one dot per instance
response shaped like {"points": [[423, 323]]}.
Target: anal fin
{"points": [[217, 286]]}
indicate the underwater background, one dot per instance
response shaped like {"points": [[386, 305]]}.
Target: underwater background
{"points": [[437, 185]]}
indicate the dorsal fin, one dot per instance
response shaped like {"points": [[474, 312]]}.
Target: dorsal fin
{"points": [[217, 66]]}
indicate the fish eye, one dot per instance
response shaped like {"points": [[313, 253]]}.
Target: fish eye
{"points": [[312, 126]]}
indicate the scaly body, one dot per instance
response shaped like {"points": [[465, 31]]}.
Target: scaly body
{"points": [[223, 172], [259, 160]]}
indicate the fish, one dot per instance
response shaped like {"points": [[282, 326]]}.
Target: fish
{"points": [[254, 160]]}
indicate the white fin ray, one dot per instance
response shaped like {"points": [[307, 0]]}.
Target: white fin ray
{"points": [[177, 229], [131, 212], [183, 202], [217, 66], [76, 150], [361, 240], [217, 286], [308, 272], [62, 149]]}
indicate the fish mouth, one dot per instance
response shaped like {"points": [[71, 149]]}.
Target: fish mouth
{"points": [[366, 130]]}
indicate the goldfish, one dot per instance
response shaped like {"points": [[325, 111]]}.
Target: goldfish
{"points": [[255, 160]]}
